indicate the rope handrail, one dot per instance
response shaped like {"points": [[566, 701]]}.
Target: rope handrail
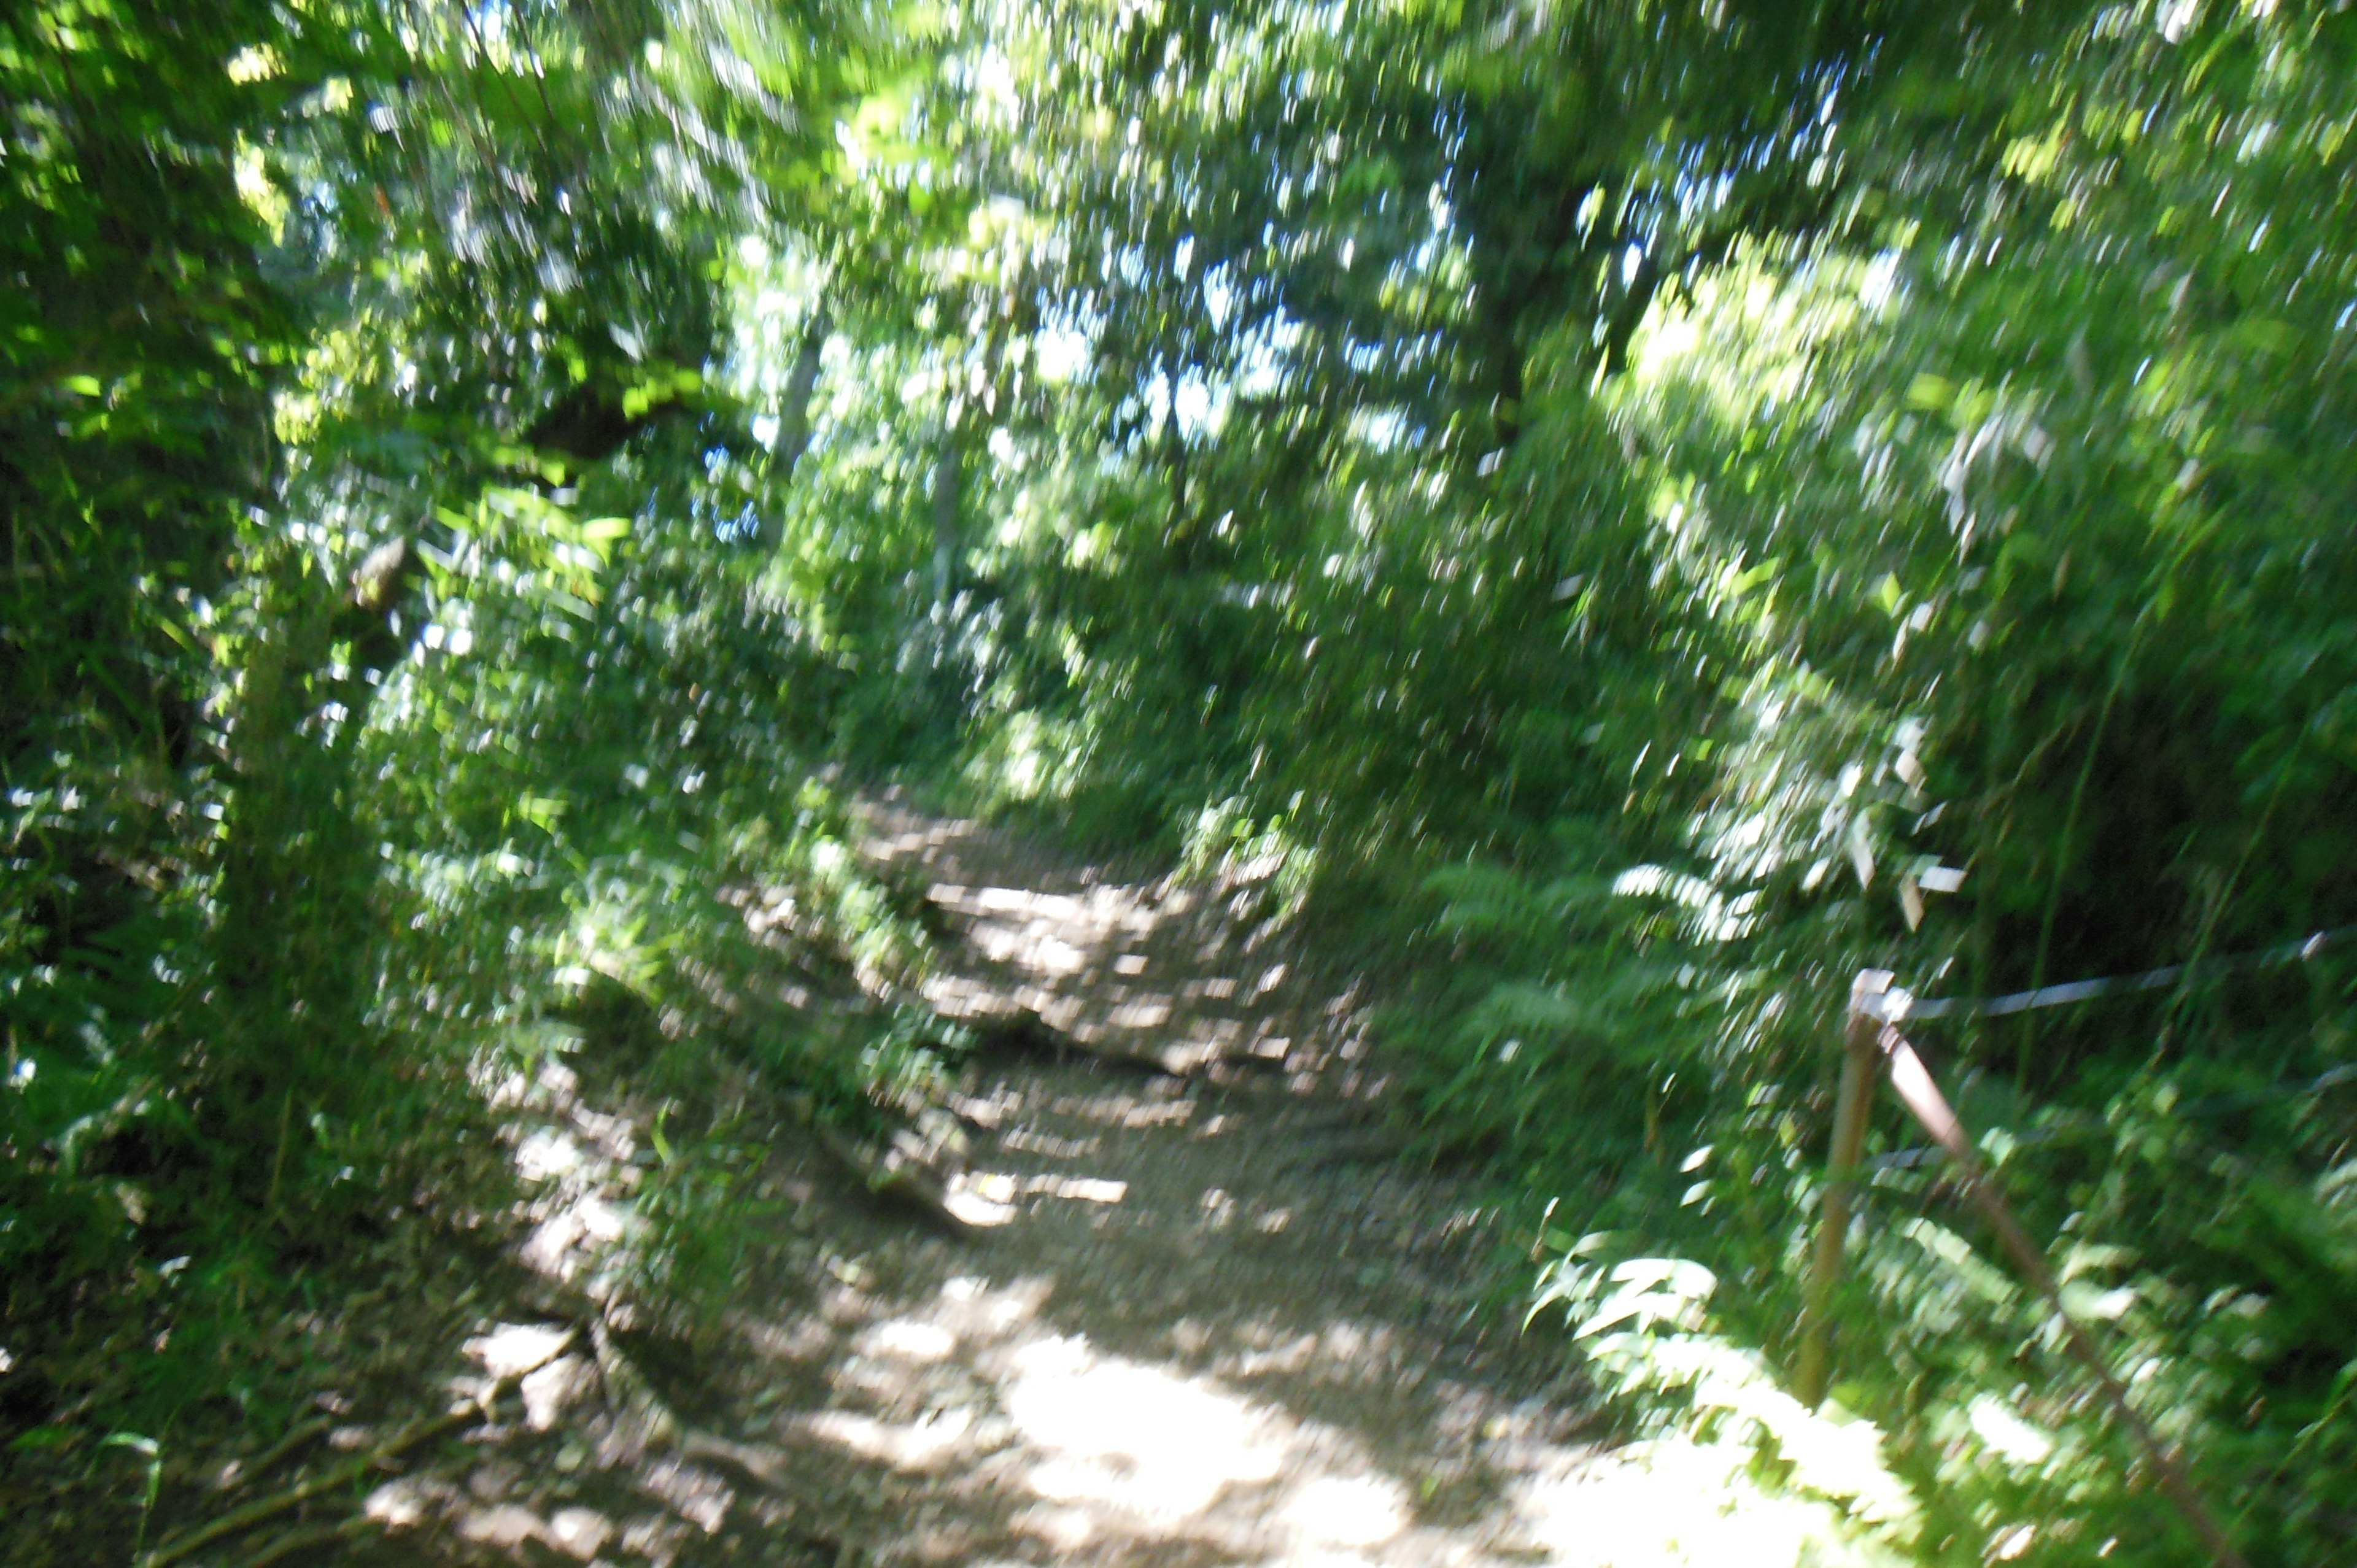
{"points": [[2214, 1105], [1870, 1040], [1898, 1005]]}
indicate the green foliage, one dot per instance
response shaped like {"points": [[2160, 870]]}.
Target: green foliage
{"points": [[1982, 551], [1719, 499], [382, 667], [1686, 502]]}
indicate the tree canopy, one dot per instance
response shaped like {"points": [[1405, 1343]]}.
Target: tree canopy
{"points": [[1639, 510]]}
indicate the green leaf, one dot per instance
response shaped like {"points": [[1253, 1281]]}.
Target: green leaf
{"points": [[1931, 392]]}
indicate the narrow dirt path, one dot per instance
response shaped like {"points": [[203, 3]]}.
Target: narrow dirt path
{"points": [[1200, 1312], [1210, 1317]]}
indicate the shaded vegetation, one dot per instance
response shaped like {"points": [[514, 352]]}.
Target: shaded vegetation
{"points": [[1670, 505]]}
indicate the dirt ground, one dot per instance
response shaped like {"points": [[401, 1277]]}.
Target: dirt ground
{"points": [[1205, 1313], [1173, 1298]]}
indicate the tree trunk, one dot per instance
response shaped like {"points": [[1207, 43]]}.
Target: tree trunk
{"points": [[949, 480], [794, 419]]}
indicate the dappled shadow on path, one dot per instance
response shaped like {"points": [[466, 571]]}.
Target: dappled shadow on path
{"points": [[1200, 1314], [1181, 974], [1166, 1369]]}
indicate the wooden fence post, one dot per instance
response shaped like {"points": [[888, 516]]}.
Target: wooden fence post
{"points": [[1913, 1082], [1860, 1031], [1866, 1037]]}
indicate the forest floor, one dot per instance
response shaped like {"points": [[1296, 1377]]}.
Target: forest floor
{"points": [[1208, 1314], [1204, 1311], [1197, 1309]]}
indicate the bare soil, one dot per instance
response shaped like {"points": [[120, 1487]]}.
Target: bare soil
{"points": [[1206, 1312], [1173, 1296]]}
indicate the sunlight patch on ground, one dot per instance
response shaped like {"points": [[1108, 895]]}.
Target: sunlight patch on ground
{"points": [[1348, 1511], [920, 1444], [1680, 1504], [904, 1339], [1135, 1438], [985, 1200], [514, 1347], [1102, 1456]]}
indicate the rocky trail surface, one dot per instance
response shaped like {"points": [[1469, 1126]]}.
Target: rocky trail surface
{"points": [[1204, 1315], [1192, 1308]]}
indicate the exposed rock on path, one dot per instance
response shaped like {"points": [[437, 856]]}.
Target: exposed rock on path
{"points": [[1213, 1321], [1198, 1313], [1167, 973]]}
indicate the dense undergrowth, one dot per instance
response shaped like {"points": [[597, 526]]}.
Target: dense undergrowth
{"points": [[1882, 518], [384, 716], [1639, 512]]}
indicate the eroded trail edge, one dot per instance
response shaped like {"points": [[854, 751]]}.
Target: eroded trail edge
{"points": [[1196, 1309], [1207, 1317]]}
